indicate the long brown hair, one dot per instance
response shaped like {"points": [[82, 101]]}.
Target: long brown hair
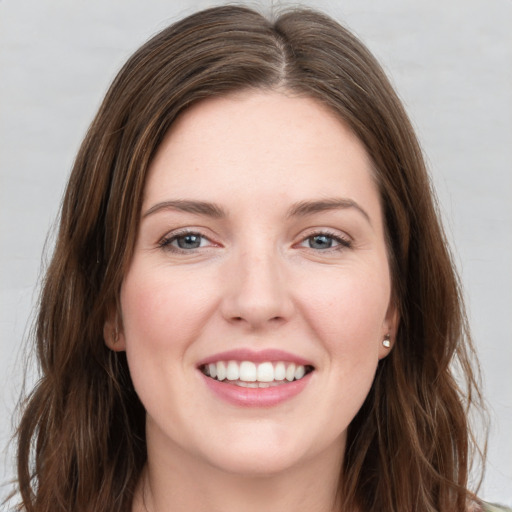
{"points": [[81, 440]]}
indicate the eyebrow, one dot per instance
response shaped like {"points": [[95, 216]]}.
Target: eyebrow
{"points": [[304, 208], [188, 206], [300, 209]]}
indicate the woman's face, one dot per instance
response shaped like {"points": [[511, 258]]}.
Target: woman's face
{"points": [[260, 259]]}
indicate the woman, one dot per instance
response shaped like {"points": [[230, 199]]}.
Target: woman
{"points": [[251, 304]]}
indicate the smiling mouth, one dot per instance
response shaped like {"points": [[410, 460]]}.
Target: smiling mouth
{"points": [[256, 375]]}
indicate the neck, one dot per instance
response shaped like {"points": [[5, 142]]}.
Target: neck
{"points": [[183, 483]]}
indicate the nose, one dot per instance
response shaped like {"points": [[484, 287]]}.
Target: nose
{"points": [[257, 291]]}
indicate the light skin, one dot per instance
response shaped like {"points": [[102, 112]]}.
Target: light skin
{"points": [[261, 228]]}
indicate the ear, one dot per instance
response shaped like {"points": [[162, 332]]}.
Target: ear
{"points": [[389, 330], [113, 334]]}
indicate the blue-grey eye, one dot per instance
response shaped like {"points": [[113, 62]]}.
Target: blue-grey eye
{"points": [[189, 241], [321, 242]]}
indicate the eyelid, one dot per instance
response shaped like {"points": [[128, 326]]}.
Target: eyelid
{"points": [[166, 241], [343, 240]]}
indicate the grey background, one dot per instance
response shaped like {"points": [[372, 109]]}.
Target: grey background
{"points": [[451, 62]]}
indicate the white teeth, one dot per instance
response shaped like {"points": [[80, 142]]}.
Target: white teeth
{"points": [[290, 372], [279, 371], [265, 372], [249, 374], [243, 384], [221, 370], [232, 372], [300, 371], [248, 371]]}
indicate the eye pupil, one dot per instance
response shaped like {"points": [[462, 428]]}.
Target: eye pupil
{"points": [[320, 242], [189, 241]]}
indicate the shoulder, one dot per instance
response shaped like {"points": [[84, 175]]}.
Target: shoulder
{"points": [[493, 507]]}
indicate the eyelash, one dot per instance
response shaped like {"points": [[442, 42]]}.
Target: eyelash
{"points": [[166, 242], [343, 243]]}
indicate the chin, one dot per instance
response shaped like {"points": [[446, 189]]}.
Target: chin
{"points": [[252, 453], [256, 463]]}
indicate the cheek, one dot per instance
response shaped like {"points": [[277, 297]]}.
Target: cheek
{"points": [[349, 309], [349, 317], [162, 314], [161, 309]]}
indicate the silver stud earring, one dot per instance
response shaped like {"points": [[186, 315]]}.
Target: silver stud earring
{"points": [[387, 341]]}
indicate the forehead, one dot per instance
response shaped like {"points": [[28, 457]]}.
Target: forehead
{"points": [[269, 143]]}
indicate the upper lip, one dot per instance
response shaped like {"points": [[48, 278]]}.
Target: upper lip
{"points": [[256, 356]]}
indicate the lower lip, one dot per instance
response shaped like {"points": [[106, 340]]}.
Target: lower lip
{"points": [[256, 397]]}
